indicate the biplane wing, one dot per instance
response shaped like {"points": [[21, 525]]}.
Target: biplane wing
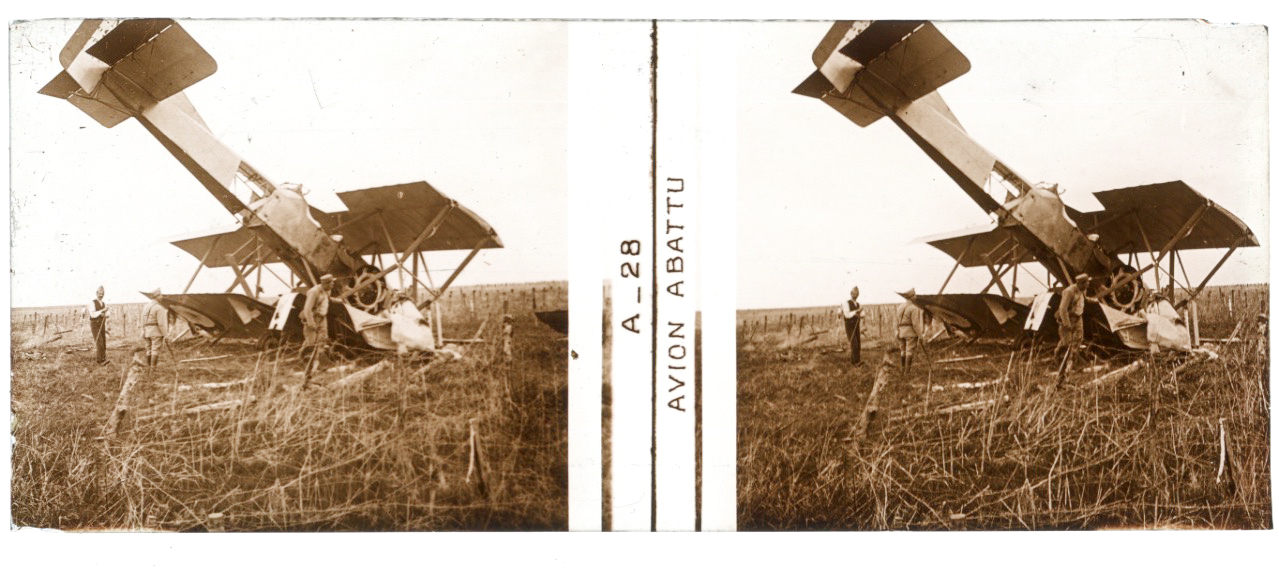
{"points": [[982, 246], [221, 248], [409, 217], [232, 316], [977, 315], [382, 220], [1163, 216]]}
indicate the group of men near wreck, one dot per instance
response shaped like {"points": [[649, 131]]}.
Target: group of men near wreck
{"points": [[911, 324], [314, 318], [154, 327]]}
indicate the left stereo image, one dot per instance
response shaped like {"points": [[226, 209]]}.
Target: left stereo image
{"points": [[289, 275]]}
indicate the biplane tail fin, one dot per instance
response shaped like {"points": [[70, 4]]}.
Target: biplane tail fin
{"points": [[866, 70], [114, 70]]}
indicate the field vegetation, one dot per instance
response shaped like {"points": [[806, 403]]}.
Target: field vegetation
{"points": [[981, 436], [220, 437]]}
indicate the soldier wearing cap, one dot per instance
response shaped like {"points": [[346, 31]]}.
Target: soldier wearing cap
{"points": [[154, 318], [98, 326], [1070, 313], [315, 323], [912, 322], [852, 312]]}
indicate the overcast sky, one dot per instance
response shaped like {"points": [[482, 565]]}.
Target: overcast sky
{"points": [[475, 108], [824, 204]]}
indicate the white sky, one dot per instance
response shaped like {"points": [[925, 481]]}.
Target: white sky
{"points": [[478, 109], [824, 204]]}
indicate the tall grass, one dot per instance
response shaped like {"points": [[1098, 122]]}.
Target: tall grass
{"points": [[393, 452], [1139, 449]]}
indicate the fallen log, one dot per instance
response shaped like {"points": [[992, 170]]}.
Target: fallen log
{"points": [[329, 371], [224, 405], [204, 359], [953, 409], [215, 386], [983, 384], [958, 359], [360, 375], [1115, 374], [1201, 355]]}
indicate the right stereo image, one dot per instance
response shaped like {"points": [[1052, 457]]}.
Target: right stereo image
{"points": [[1003, 276]]}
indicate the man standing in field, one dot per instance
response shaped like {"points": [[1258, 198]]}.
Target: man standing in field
{"points": [[315, 324], [154, 321], [1070, 320], [98, 326], [852, 312], [912, 322]]}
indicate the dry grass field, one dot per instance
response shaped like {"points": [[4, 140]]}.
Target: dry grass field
{"points": [[478, 443], [981, 437]]}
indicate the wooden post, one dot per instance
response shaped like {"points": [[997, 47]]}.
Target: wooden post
{"points": [[870, 412], [1194, 322], [508, 334], [214, 523], [476, 465], [135, 370]]}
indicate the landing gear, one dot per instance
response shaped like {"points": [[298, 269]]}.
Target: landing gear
{"points": [[1126, 298], [370, 298]]}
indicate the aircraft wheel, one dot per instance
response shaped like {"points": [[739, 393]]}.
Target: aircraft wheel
{"points": [[371, 297], [1127, 297], [270, 340]]}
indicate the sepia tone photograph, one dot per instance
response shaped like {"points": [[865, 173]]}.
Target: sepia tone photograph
{"points": [[364, 328], [1003, 276]]}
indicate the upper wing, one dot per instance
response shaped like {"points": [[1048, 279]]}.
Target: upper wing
{"points": [[1146, 218], [381, 220], [384, 220]]}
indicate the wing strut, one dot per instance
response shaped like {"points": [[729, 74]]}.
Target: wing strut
{"points": [[1181, 234], [958, 261], [399, 259], [1213, 272]]}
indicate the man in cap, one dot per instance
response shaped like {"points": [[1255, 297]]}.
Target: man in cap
{"points": [[98, 326], [154, 321], [852, 312], [315, 323], [912, 322], [1070, 319]]}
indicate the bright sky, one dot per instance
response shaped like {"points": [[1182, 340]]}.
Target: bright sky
{"points": [[478, 109], [824, 204]]}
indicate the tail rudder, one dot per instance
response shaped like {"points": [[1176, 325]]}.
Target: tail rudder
{"points": [[131, 66], [867, 70]]}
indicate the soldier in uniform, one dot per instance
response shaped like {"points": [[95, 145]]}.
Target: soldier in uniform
{"points": [[912, 323], [315, 324], [154, 321], [1070, 320], [98, 326]]}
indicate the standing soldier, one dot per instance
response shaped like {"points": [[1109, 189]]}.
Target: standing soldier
{"points": [[1070, 321], [98, 326], [154, 321], [315, 324], [912, 322], [852, 312]]}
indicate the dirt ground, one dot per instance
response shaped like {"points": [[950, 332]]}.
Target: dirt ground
{"points": [[220, 437], [980, 436]]}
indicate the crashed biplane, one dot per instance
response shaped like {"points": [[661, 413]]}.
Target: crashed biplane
{"points": [[139, 69], [870, 70]]}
